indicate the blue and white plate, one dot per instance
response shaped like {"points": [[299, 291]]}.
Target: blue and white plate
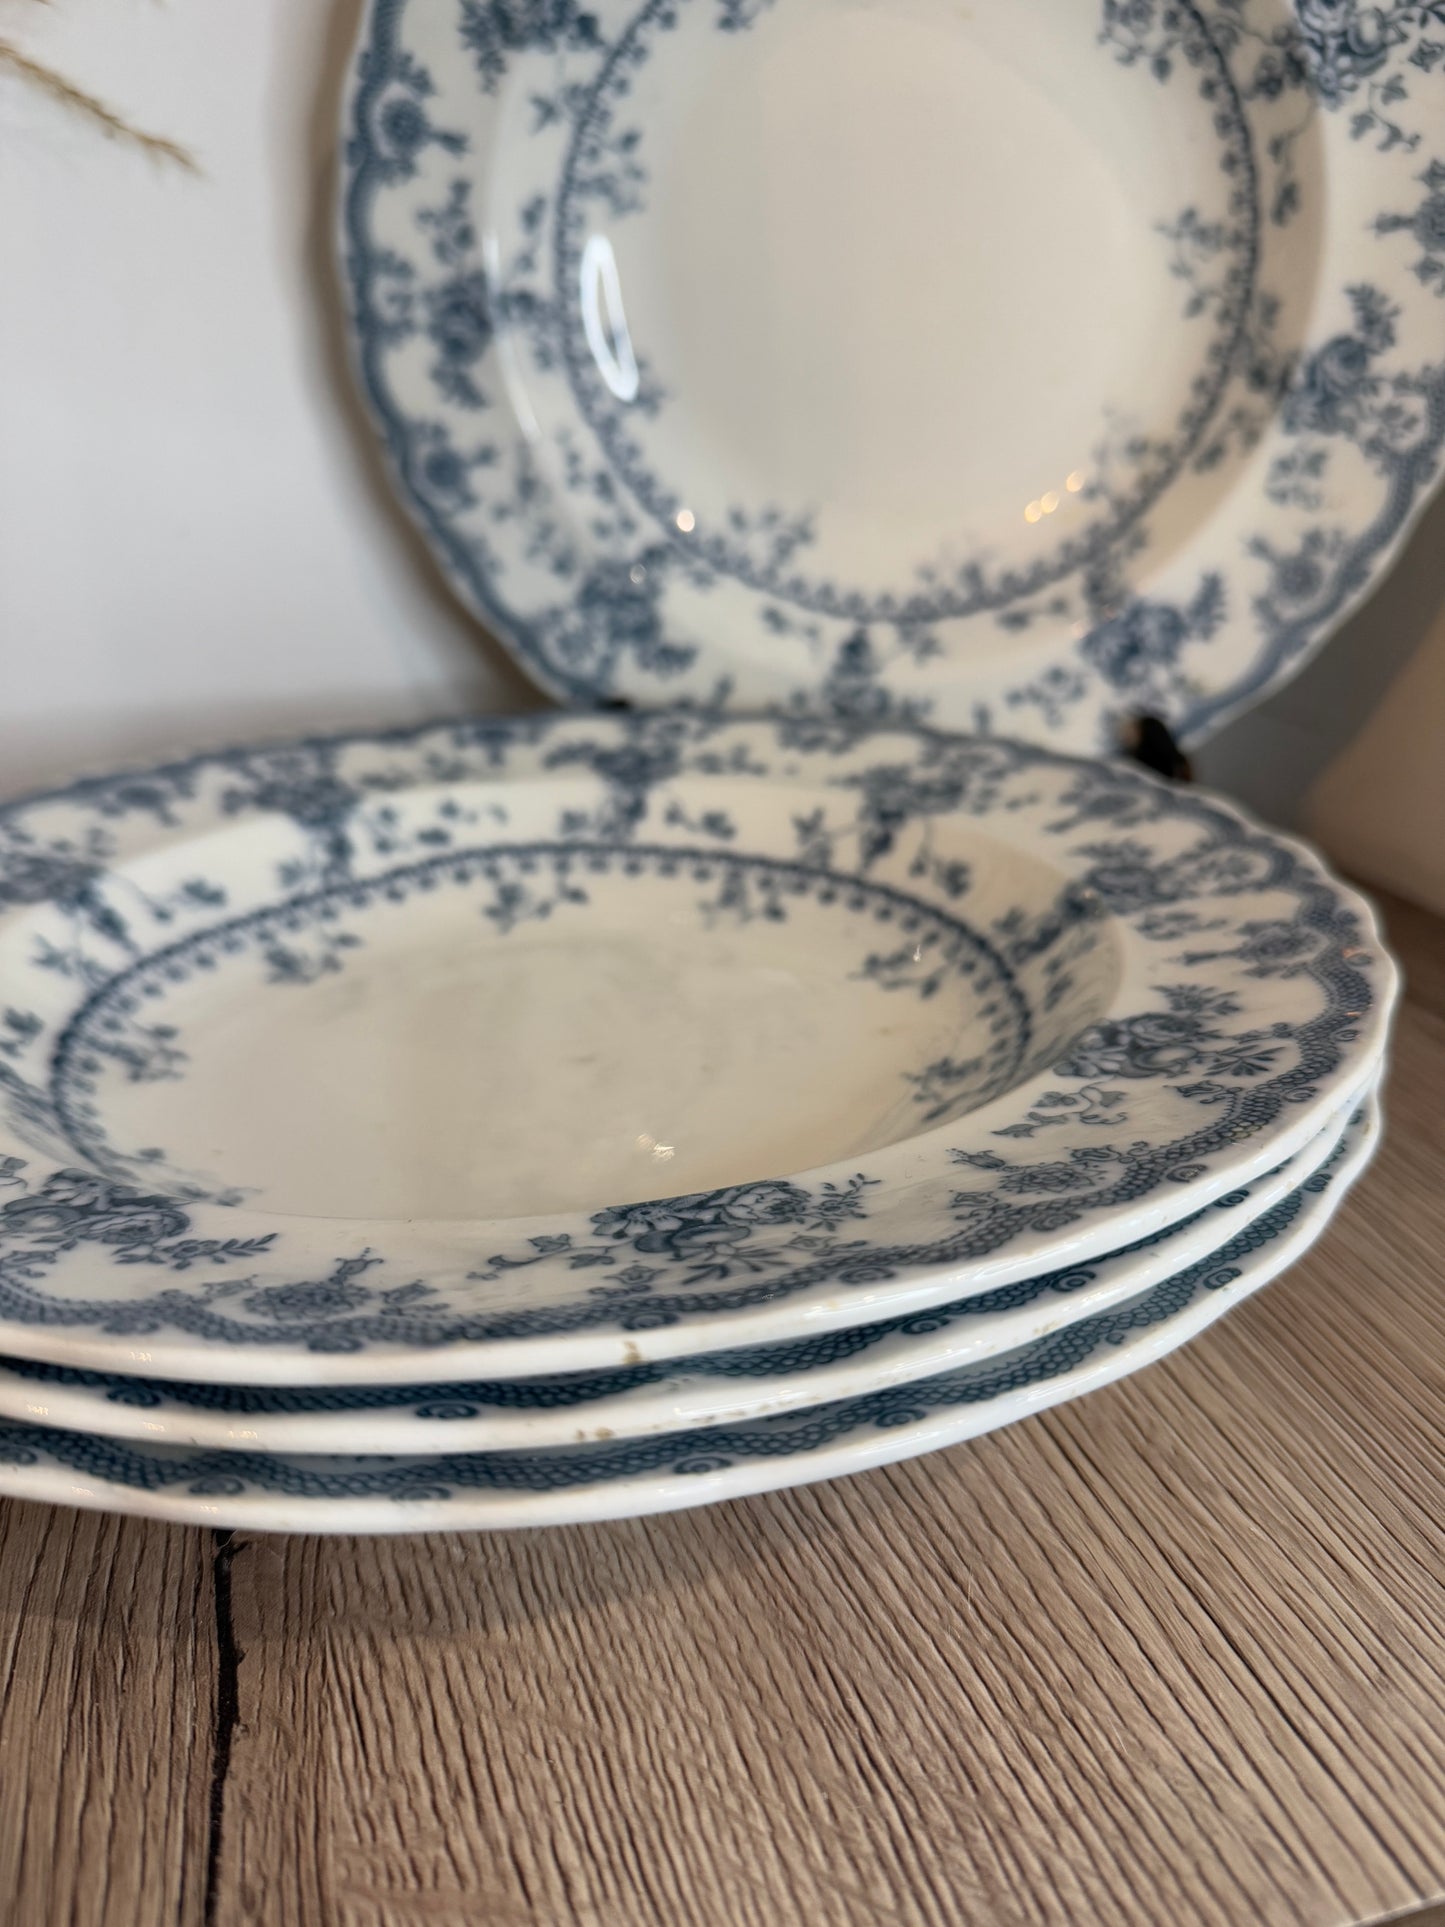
{"points": [[1017, 367], [469, 1491], [551, 1044], [633, 1400]]}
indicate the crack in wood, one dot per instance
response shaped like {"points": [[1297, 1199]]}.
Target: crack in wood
{"points": [[225, 1713]]}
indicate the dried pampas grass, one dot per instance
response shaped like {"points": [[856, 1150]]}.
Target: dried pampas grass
{"points": [[76, 101]]}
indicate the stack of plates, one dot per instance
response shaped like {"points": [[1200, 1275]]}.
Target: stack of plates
{"points": [[566, 1117], [562, 1118]]}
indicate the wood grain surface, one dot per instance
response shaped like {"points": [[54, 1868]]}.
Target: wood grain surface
{"points": [[107, 1698], [1173, 1655]]}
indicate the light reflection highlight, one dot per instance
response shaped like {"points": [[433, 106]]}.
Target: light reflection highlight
{"points": [[1052, 498], [603, 322]]}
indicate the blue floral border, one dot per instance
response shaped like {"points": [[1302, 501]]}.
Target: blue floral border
{"points": [[225, 1474], [746, 1245], [1358, 393]]}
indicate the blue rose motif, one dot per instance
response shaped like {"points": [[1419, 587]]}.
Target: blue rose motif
{"points": [[1156, 1044], [1298, 577], [402, 123], [74, 1205], [444, 472], [314, 1298], [766, 1202], [313, 798], [619, 612], [1125, 878], [38, 1217], [636, 766], [689, 1243], [1274, 946], [143, 1221], [1133, 16], [1127, 649], [1344, 44], [703, 1225], [1329, 387], [459, 318], [615, 611], [39, 876], [492, 29]]}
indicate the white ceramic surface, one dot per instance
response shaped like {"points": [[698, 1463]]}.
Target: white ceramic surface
{"points": [[283, 1035], [1021, 367], [715, 1389], [628, 1478]]}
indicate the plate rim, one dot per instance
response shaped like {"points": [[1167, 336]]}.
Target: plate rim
{"points": [[528, 1356], [694, 1480], [106, 1410], [1378, 532]]}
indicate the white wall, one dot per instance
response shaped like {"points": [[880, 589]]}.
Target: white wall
{"points": [[1379, 807], [195, 540], [1353, 750]]}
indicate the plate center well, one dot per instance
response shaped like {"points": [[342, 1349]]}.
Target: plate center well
{"points": [[859, 295], [503, 1032]]}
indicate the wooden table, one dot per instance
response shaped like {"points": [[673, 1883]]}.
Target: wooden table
{"points": [[1172, 1655]]}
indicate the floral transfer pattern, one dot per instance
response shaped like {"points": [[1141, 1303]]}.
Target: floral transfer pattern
{"points": [[1048, 1368], [768, 548], [580, 1395], [1166, 1093], [311, 933], [577, 560]]}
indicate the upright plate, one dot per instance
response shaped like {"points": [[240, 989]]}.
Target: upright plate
{"points": [[769, 1028], [482, 1490], [1020, 368]]}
